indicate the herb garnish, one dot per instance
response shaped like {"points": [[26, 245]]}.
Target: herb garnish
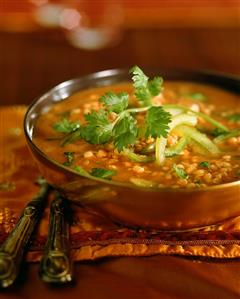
{"points": [[125, 132], [70, 157], [157, 121], [124, 129], [197, 96], [115, 102], [102, 173], [98, 128], [217, 131], [66, 126], [181, 173], [145, 89], [234, 117], [80, 170], [204, 164]]}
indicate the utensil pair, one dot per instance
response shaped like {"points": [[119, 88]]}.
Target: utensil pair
{"points": [[55, 265]]}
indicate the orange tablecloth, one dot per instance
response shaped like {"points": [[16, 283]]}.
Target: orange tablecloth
{"points": [[93, 236]]}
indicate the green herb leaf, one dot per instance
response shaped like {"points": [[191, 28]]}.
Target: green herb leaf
{"points": [[98, 129], [139, 78], [70, 157], [115, 102], [157, 121], [81, 171], [181, 173], [144, 89], [66, 126], [102, 173], [197, 96], [71, 137], [140, 83], [155, 86], [216, 132], [234, 117], [125, 132], [225, 136], [204, 164]]}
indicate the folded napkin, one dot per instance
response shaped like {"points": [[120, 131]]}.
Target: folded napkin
{"points": [[93, 236]]}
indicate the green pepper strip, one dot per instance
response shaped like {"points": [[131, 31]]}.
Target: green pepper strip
{"points": [[178, 148], [199, 138], [161, 142], [203, 115], [136, 157]]}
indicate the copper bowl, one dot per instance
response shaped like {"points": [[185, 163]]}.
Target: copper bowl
{"points": [[166, 209]]}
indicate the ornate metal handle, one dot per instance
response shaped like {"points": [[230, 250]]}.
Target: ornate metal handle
{"points": [[12, 250], [56, 266]]}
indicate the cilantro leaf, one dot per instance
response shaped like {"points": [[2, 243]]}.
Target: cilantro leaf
{"points": [[71, 137], [204, 164], [80, 170], [155, 86], [181, 173], [115, 102], [66, 126], [70, 157], [197, 96], [157, 120], [102, 173], [139, 78], [98, 129], [125, 132], [145, 89], [216, 132], [234, 117]]}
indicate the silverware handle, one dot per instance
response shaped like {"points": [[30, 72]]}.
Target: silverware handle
{"points": [[56, 265], [12, 250]]}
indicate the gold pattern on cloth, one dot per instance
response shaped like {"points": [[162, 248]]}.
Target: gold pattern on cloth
{"points": [[92, 235]]}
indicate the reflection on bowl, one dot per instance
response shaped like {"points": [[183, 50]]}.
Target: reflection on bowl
{"points": [[167, 209]]}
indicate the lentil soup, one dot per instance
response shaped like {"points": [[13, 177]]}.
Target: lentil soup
{"points": [[149, 133]]}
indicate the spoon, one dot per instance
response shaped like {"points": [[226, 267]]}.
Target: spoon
{"points": [[56, 265], [12, 250]]}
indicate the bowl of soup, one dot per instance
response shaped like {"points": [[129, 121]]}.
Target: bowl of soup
{"points": [[147, 148]]}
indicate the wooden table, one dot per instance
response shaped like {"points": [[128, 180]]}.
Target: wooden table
{"points": [[149, 278]]}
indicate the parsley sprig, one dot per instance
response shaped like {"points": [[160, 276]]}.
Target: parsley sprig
{"points": [[115, 102], [157, 121], [98, 128], [69, 157], [145, 89], [234, 117], [102, 173], [179, 172], [66, 126], [122, 131]]}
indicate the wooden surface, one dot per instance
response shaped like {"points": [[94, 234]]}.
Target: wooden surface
{"points": [[159, 277], [31, 63]]}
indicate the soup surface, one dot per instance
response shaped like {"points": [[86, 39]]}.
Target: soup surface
{"points": [[185, 136]]}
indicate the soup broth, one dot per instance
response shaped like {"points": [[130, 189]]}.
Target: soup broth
{"points": [[193, 155]]}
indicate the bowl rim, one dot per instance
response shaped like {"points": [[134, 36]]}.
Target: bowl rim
{"points": [[122, 71]]}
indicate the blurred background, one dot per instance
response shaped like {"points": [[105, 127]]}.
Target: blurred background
{"points": [[44, 42]]}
